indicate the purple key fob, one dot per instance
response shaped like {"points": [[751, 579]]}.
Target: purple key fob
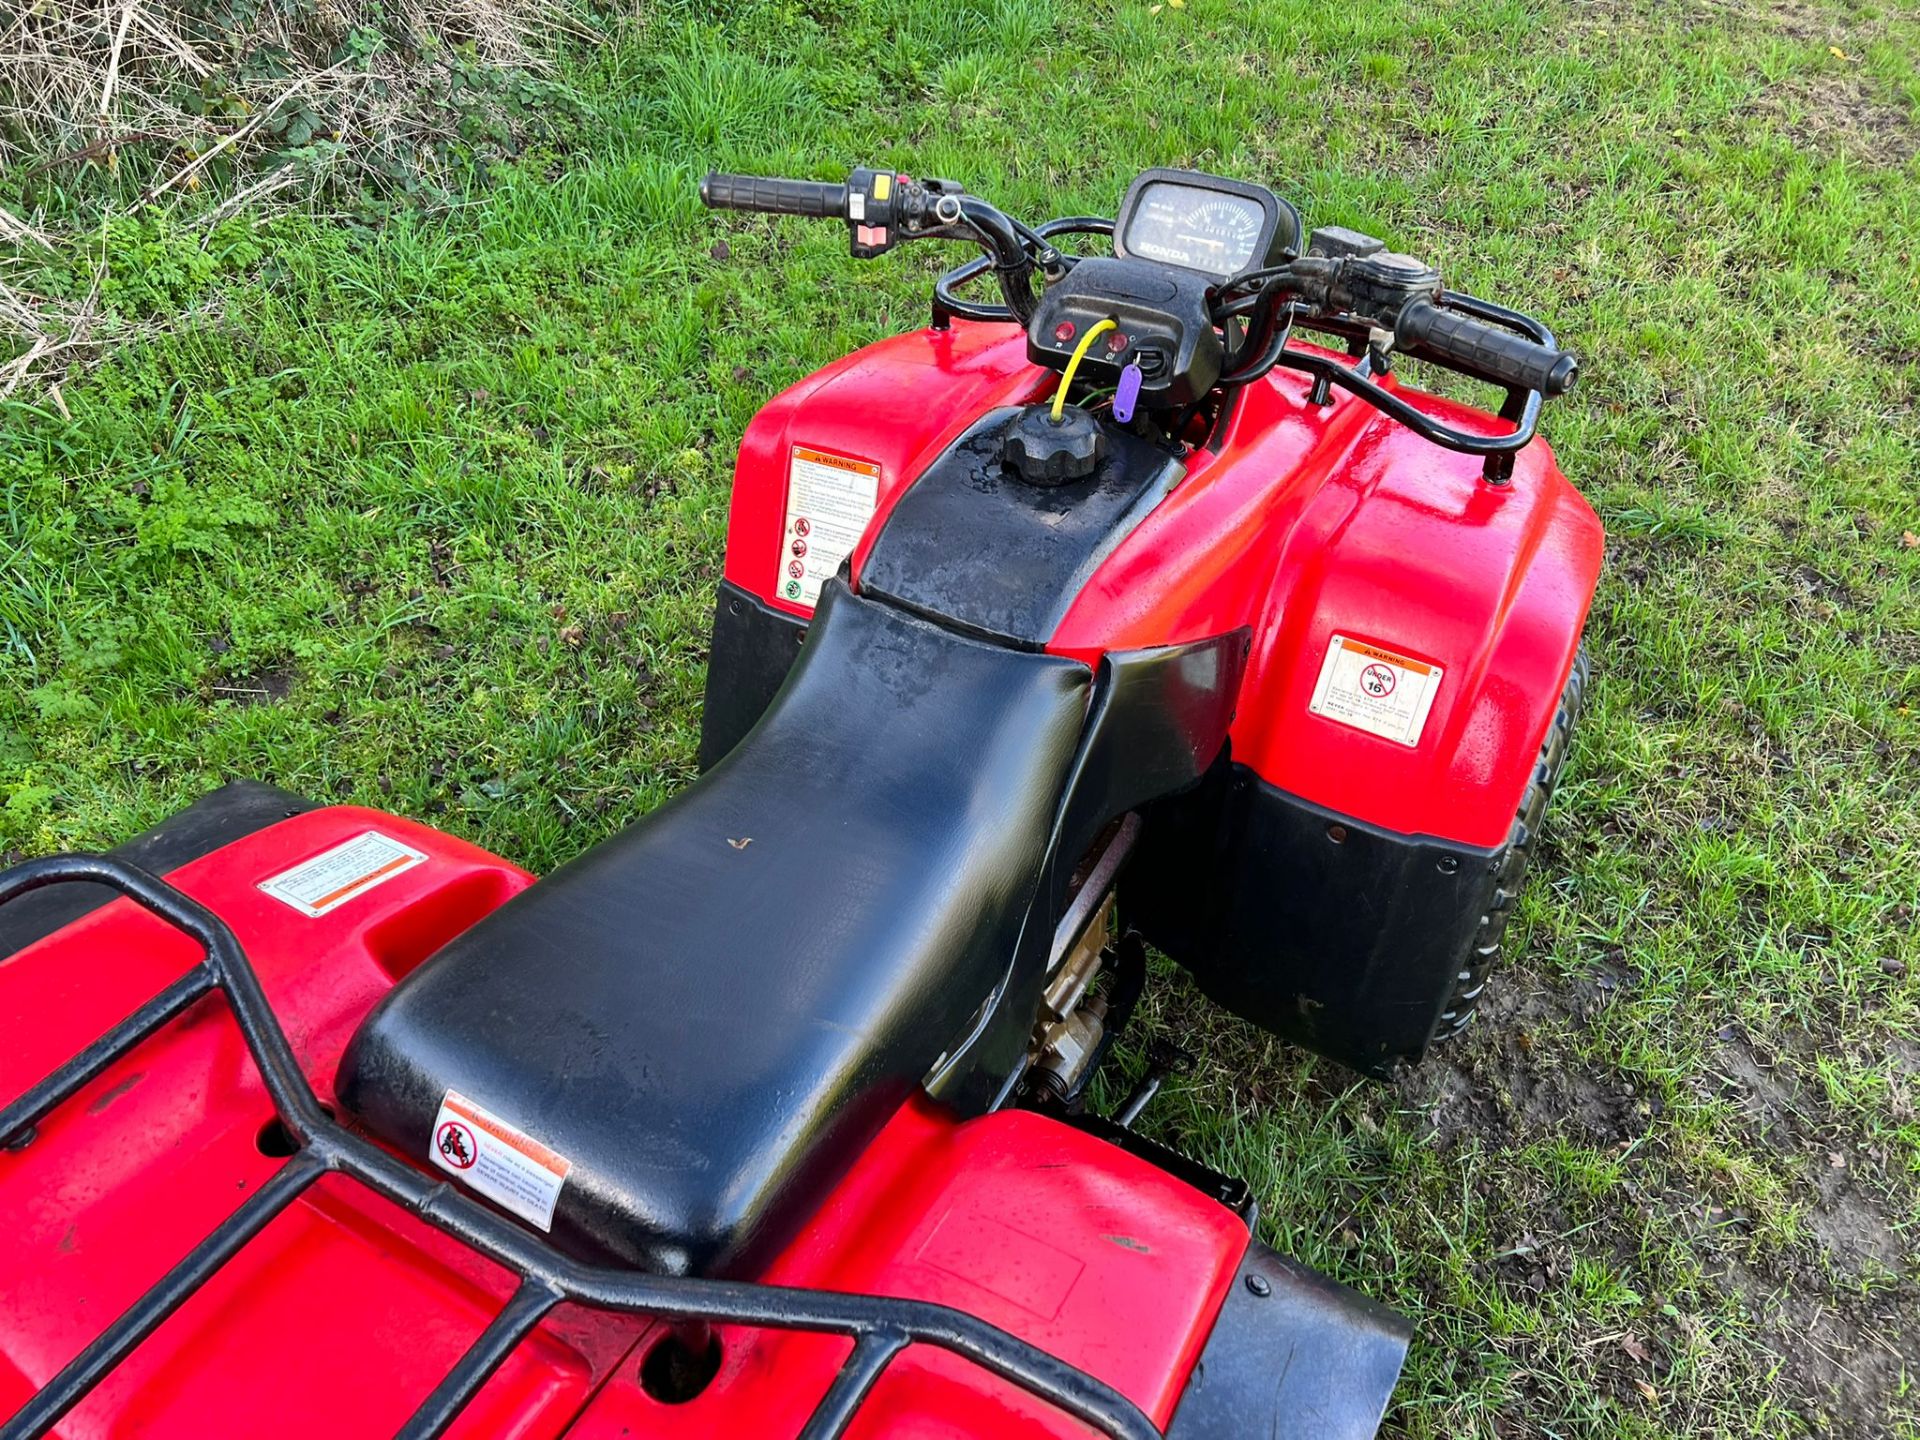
{"points": [[1127, 394]]}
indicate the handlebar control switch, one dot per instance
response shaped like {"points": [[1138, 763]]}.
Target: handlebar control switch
{"points": [[874, 200], [1160, 319], [880, 209], [1364, 278], [883, 209], [1045, 451]]}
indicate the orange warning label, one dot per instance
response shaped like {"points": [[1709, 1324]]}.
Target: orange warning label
{"points": [[830, 499], [1376, 690], [335, 876], [498, 1160]]}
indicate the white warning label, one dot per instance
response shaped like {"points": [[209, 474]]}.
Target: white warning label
{"points": [[498, 1160], [1376, 690], [830, 499], [335, 876]]}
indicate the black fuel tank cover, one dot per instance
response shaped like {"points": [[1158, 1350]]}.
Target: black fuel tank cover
{"points": [[1046, 451], [973, 545]]}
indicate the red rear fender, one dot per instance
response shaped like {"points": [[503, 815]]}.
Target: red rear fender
{"points": [[345, 1312]]}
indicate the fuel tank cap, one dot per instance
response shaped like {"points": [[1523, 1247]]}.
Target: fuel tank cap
{"points": [[1045, 451]]}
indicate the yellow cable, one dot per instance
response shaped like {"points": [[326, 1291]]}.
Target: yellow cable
{"points": [[1060, 395]]}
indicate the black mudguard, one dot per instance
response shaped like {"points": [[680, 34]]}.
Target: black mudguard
{"points": [[1295, 1354]]}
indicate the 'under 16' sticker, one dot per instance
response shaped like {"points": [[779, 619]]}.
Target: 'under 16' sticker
{"points": [[830, 499], [498, 1160], [1376, 690]]}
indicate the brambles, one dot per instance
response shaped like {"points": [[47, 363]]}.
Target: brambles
{"points": [[216, 107], [142, 97]]}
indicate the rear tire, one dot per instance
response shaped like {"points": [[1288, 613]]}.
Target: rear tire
{"points": [[1521, 843]]}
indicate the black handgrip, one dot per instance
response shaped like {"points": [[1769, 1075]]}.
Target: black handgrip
{"points": [[774, 197], [1484, 351]]}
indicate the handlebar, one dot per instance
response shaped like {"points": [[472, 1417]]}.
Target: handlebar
{"points": [[882, 209], [1447, 337], [819, 199], [1370, 298]]}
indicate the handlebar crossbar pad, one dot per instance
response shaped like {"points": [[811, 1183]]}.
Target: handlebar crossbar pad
{"points": [[774, 197], [1484, 351]]}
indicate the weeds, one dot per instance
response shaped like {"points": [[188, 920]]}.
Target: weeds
{"points": [[158, 95], [209, 109]]}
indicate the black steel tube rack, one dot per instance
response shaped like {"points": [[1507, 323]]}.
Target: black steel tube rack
{"points": [[880, 1326]]}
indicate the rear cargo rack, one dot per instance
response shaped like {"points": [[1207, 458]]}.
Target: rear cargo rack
{"points": [[880, 1327]]}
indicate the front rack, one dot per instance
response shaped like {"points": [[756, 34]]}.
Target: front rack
{"points": [[880, 1327]]}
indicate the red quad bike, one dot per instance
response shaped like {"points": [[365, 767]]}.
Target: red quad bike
{"points": [[766, 1117]]}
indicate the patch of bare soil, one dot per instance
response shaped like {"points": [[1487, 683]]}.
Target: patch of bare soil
{"points": [[1803, 20], [1502, 1084], [1833, 112], [1841, 1356], [1796, 19], [266, 688], [1835, 1318], [1837, 113], [1842, 1324]]}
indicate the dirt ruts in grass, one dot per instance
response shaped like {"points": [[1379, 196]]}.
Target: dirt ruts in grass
{"points": [[1501, 1083], [265, 688], [1835, 1307], [1841, 112], [1833, 105]]}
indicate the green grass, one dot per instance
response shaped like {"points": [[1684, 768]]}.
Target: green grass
{"points": [[429, 518]]}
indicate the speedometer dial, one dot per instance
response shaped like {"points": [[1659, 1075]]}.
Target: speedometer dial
{"points": [[1195, 228]]}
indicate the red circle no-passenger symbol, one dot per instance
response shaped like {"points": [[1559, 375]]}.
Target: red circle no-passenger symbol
{"points": [[456, 1143], [1378, 681]]}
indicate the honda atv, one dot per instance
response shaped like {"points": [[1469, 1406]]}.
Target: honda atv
{"points": [[1110, 611]]}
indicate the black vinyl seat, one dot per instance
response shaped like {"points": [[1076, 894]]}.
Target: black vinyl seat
{"points": [[711, 1013]]}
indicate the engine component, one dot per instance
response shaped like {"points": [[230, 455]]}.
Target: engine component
{"points": [[1073, 1025], [1072, 1019]]}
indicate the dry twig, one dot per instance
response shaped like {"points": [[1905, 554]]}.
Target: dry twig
{"points": [[164, 99]]}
